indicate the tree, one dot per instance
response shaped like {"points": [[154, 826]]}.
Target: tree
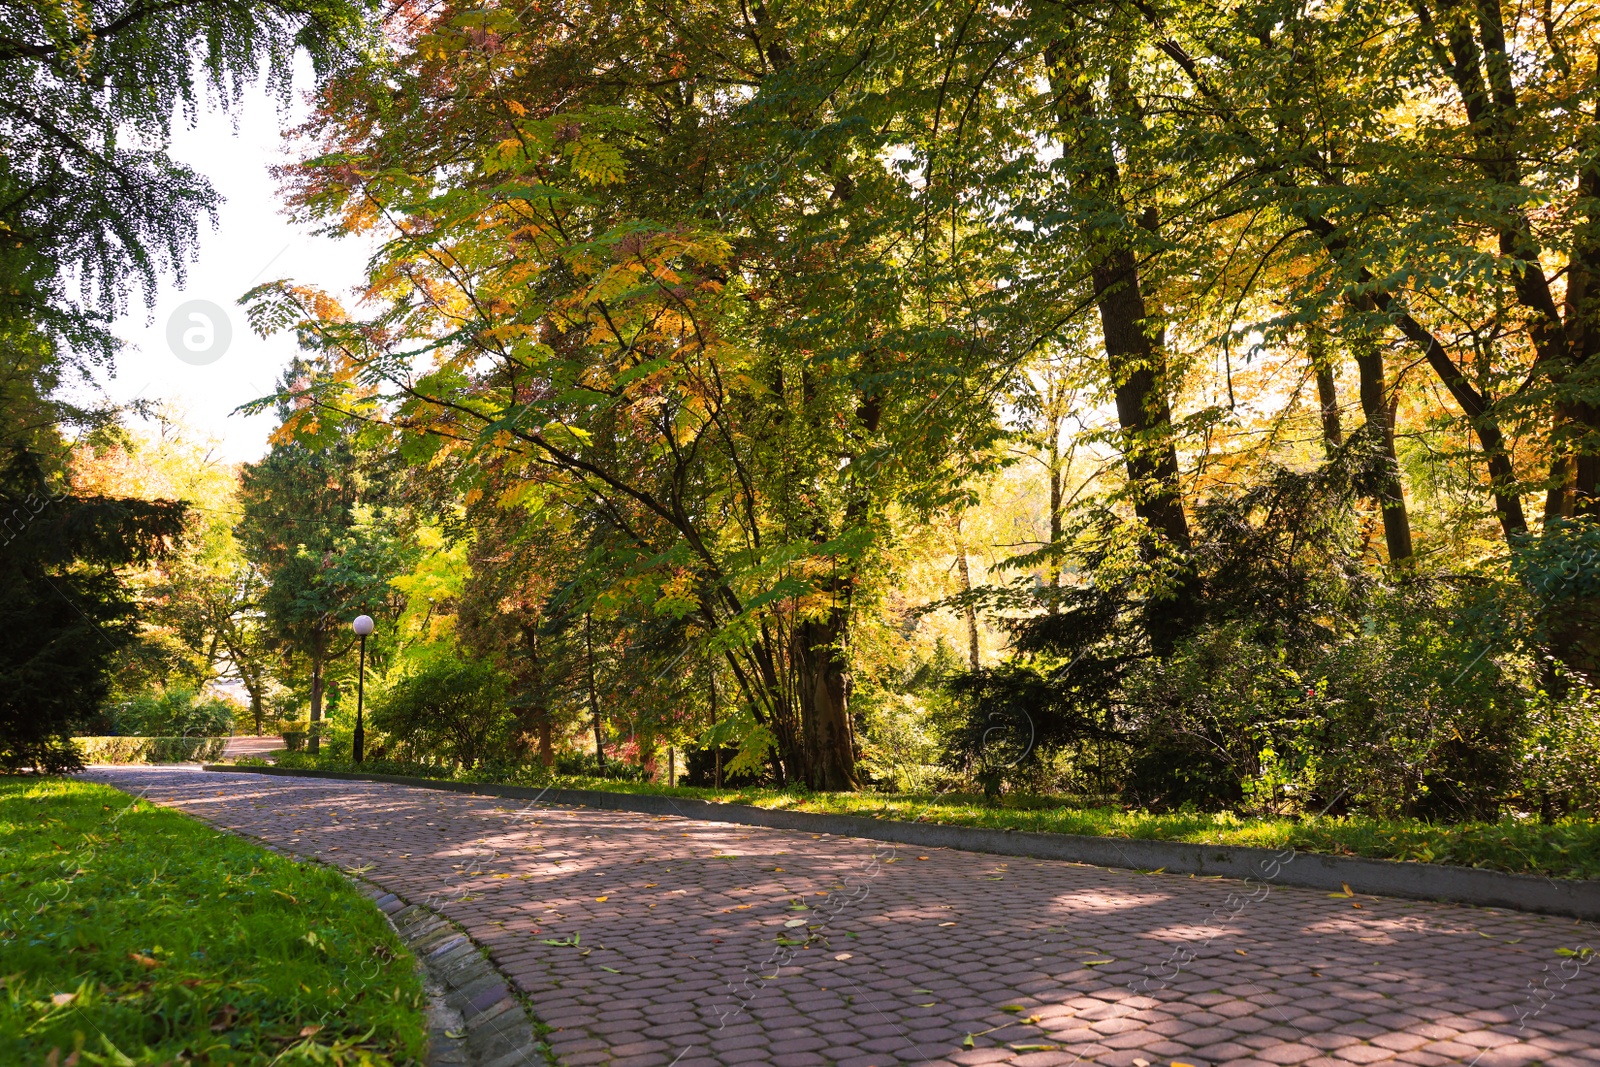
{"points": [[90, 201], [68, 612], [311, 522], [738, 420]]}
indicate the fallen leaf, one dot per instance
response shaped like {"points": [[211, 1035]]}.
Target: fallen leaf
{"points": [[1141, 1063], [307, 1031], [601, 900], [61, 1000], [147, 962], [792, 923], [613, 970], [922, 857], [1097, 963], [1241, 952], [947, 924], [843, 956], [1011, 1008], [1353, 904], [968, 1042]]}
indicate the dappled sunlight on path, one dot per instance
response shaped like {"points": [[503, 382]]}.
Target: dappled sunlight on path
{"points": [[661, 940]]}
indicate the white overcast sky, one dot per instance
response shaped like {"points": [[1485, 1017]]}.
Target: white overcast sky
{"points": [[252, 242]]}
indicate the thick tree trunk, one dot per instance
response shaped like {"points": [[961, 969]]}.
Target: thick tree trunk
{"points": [[1138, 369], [1378, 408], [829, 756]]}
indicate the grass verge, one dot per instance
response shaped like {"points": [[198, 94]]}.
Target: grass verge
{"points": [[1569, 848], [136, 936]]}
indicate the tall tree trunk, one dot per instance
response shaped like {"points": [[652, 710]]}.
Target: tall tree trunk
{"points": [[314, 742], [534, 714], [594, 697], [1476, 406], [1327, 391], [1134, 339], [1053, 568], [1378, 407], [716, 750], [970, 612]]}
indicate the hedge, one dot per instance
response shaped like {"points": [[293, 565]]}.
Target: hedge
{"points": [[150, 749]]}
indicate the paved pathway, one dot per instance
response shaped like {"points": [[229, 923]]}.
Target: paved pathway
{"points": [[656, 941], [245, 745]]}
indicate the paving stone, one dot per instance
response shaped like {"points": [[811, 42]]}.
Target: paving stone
{"points": [[680, 963]]}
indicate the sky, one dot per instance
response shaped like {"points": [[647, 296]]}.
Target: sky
{"points": [[253, 242]]}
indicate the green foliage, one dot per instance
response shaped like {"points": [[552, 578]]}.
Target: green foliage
{"points": [[126, 749], [93, 205], [1298, 681], [174, 713], [1561, 749], [453, 712], [143, 937], [64, 607]]}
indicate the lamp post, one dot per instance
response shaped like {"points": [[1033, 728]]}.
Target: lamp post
{"points": [[362, 626]]}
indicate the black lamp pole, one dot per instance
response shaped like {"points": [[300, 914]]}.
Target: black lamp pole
{"points": [[362, 626]]}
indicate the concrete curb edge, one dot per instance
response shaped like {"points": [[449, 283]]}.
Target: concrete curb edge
{"points": [[1575, 898]]}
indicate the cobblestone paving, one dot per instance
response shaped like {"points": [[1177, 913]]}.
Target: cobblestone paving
{"points": [[656, 941]]}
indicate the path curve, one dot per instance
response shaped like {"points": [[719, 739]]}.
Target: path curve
{"points": [[645, 940]]}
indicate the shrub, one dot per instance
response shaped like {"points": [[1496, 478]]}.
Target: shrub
{"points": [[1556, 773], [149, 749], [173, 713], [450, 711]]}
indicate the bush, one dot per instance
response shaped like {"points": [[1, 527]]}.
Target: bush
{"points": [[173, 713], [449, 711], [700, 769], [149, 749], [1556, 771], [583, 764]]}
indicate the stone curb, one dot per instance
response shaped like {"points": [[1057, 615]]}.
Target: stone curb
{"points": [[1575, 898], [466, 992], [475, 1018]]}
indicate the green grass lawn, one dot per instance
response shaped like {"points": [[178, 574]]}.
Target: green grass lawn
{"points": [[134, 935], [1568, 848]]}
